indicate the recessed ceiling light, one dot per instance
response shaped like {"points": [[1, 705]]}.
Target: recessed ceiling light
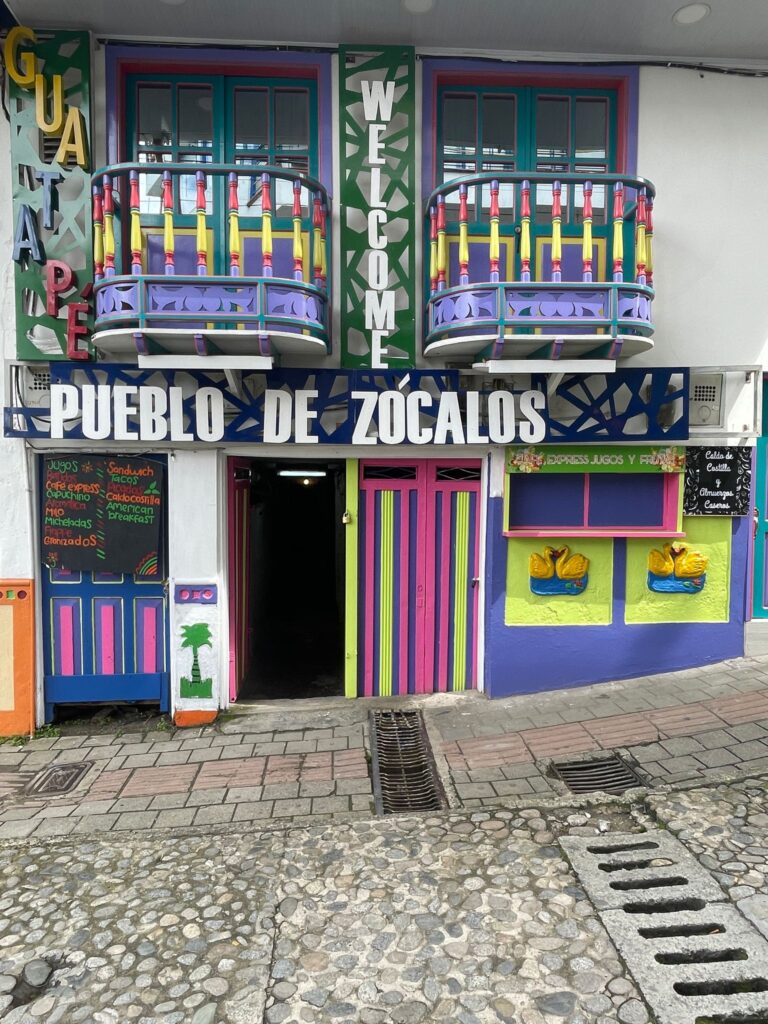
{"points": [[691, 13], [418, 6], [302, 472]]}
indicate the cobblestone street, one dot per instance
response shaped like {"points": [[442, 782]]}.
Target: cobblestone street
{"points": [[236, 874]]}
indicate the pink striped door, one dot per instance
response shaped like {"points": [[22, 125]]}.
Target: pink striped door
{"points": [[239, 561], [419, 553]]}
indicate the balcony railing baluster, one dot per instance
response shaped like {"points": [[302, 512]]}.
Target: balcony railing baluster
{"points": [[463, 237], [432, 250], [266, 225], [298, 244], [640, 246], [234, 227], [169, 243], [442, 246], [557, 238], [109, 229], [649, 240], [493, 245], [98, 232], [525, 232], [586, 245], [618, 231], [201, 230], [134, 205]]}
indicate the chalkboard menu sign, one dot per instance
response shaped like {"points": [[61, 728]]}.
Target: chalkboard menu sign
{"points": [[717, 481], [102, 513]]}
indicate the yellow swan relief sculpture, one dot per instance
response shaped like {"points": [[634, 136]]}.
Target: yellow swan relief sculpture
{"points": [[558, 571], [677, 570]]}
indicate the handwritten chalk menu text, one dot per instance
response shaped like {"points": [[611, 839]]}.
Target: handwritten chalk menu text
{"points": [[717, 481], [102, 514]]}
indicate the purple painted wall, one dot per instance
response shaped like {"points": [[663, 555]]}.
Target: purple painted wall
{"points": [[526, 659]]}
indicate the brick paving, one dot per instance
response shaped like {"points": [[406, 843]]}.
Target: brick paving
{"points": [[286, 764]]}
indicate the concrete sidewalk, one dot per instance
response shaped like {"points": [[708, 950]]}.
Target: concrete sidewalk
{"points": [[304, 761]]}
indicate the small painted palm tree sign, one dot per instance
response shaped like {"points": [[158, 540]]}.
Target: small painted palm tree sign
{"points": [[196, 636]]}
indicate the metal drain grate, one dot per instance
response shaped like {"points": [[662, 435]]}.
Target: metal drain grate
{"points": [[59, 778], [605, 775], [694, 957], [404, 775]]}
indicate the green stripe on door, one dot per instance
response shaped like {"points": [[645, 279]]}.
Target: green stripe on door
{"points": [[350, 580], [460, 589]]}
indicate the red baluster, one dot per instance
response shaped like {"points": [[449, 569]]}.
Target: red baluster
{"points": [[494, 243], [317, 219], [640, 234], [525, 231], [133, 202], [169, 238], [586, 250], [618, 231], [202, 232], [463, 236], [649, 242], [432, 250], [109, 234], [442, 252], [266, 226], [557, 242], [234, 227], [298, 247], [98, 233]]}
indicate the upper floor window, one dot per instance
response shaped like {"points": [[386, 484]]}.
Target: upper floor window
{"points": [[221, 119], [481, 130]]}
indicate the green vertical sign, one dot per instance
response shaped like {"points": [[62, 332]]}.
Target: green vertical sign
{"points": [[378, 204], [49, 89]]}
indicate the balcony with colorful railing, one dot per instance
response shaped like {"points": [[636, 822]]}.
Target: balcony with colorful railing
{"points": [[226, 263], [539, 267]]}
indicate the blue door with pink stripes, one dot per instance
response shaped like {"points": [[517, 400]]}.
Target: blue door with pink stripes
{"points": [[105, 637], [419, 567]]}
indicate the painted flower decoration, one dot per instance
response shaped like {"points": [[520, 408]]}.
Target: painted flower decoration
{"points": [[527, 460], [669, 460]]}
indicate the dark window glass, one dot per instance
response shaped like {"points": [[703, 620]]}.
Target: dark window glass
{"points": [[459, 125], [195, 115], [591, 125], [291, 119], [155, 124], [608, 504], [251, 119], [552, 499], [552, 136], [499, 125]]}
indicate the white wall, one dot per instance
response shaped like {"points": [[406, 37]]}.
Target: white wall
{"points": [[703, 142]]}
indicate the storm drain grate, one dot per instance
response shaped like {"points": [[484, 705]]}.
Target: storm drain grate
{"points": [[694, 957], [404, 775], [605, 775], [59, 778]]}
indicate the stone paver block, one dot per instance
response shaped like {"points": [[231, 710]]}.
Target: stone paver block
{"points": [[681, 745], [175, 818], [18, 829], [747, 732], [173, 757], [56, 826], [56, 811], [513, 787], [140, 760], [681, 765], [289, 808], [281, 791], [206, 797], [289, 737], [243, 794], [301, 747], [751, 750], [214, 815], [350, 787], [96, 823], [475, 790], [253, 811], [717, 757], [205, 754], [236, 753], [135, 820], [321, 788], [168, 801], [131, 803], [329, 805]]}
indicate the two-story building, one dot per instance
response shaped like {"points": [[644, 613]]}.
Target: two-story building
{"points": [[344, 367]]}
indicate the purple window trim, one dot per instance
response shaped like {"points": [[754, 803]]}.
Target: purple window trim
{"points": [[216, 60], [432, 67]]}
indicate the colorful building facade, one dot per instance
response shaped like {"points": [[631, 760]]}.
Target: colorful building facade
{"points": [[368, 370]]}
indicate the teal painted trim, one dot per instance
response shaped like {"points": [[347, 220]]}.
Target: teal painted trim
{"points": [[759, 608]]}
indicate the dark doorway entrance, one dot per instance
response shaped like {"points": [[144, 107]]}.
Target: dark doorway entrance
{"points": [[295, 581]]}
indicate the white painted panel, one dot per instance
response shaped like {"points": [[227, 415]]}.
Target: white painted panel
{"points": [[703, 141]]}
